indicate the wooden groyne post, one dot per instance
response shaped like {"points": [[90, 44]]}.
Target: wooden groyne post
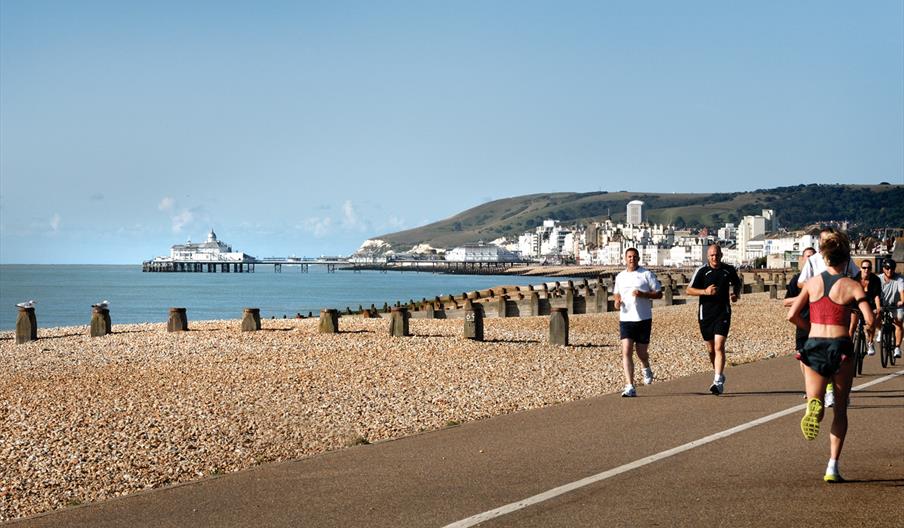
{"points": [[178, 320], [26, 325], [398, 322], [473, 321], [329, 321], [100, 322], [251, 319], [558, 326]]}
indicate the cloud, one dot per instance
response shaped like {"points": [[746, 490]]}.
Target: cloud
{"points": [[351, 220], [96, 197], [166, 204], [55, 222], [394, 222], [319, 227], [182, 219]]}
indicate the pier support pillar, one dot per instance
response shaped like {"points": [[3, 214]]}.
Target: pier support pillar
{"points": [[398, 322], [178, 320], [558, 326], [100, 322], [251, 319], [26, 326], [667, 295], [473, 321], [329, 321]]}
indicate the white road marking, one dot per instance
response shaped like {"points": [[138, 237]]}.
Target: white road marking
{"points": [[561, 490]]}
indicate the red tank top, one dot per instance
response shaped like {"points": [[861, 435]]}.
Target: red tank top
{"points": [[825, 310]]}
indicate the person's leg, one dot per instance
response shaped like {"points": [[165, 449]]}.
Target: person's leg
{"points": [[718, 354], [628, 360], [643, 354], [710, 347], [816, 388], [842, 381]]}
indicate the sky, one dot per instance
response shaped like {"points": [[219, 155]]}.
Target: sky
{"points": [[305, 128]]}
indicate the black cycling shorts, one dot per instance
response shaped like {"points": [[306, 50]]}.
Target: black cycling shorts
{"points": [[825, 354], [637, 331]]}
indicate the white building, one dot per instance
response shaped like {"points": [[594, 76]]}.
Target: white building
{"points": [[750, 228], [635, 212], [480, 253], [212, 250]]}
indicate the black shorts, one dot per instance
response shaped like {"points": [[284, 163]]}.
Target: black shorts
{"points": [[716, 322], [637, 331], [800, 338], [825, 354]]}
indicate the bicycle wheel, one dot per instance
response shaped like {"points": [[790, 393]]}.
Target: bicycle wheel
{"points": [[886, 344], [859, 352], [891, 346]]}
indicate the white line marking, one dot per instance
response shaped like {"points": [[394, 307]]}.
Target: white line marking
{"points": [[561, 490]]}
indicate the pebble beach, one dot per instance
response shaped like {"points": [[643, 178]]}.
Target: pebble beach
{"points": [[85, 419]]}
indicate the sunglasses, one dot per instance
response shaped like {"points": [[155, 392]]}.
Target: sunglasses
{"points": [[867, 268]]}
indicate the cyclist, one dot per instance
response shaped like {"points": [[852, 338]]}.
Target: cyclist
{"points": [[873, 288], [828, 353], [893, 298]]}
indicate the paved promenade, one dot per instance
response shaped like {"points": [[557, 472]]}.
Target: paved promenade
{"points": [[743, 474]]}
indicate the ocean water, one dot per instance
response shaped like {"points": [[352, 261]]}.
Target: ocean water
{"points": [[65, 293]]}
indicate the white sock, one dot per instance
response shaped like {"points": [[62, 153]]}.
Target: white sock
{"points": [[832, 468], [718, 378]]}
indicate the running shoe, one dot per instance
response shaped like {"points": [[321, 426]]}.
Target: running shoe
{"points": [[629, 392], [870, 349], [897, 352], [809, 424], [830, 396], [717, 388], [833, 478], [647, 376]]}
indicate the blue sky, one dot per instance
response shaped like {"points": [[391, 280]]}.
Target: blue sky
{"points": [[307, 127]]}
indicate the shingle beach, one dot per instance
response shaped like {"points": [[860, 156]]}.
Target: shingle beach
{"points": [[83, 419]]}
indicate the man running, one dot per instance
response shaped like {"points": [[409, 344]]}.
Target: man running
{"points": [[635, 289], [893, 298], [792, 290], [716, 283]]}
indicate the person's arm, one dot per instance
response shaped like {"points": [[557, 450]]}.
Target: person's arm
{"points": [[736, 285], [694, 288], [794, 312], [655, 289], [860, 299], [616, 297], [806, 272]]}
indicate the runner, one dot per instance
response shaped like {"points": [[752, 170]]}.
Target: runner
{"points": [[828, 353], [716, 283], [893, 298], [815, 265], [635, 289]]}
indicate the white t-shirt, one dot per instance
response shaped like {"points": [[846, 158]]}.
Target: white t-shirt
{"points": [[636, 308], [816, 265]]}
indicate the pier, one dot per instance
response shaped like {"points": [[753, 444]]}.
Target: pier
{"points": [[243, 266]]}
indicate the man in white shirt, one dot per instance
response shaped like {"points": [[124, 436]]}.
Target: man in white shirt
{"points": [[635, 289], [816, 264]]}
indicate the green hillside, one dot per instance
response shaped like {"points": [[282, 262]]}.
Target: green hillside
{"points": [[866, 206]]}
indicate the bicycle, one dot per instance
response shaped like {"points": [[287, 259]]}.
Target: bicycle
{"points": [[859, 347], [887, 346]]}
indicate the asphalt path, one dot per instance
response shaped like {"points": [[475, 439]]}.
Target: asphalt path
{"points": [[765, 474]]}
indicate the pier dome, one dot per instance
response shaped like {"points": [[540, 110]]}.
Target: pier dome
{"points": [[211, 237]]}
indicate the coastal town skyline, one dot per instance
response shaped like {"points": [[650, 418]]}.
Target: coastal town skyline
{"points": [[297, 128]]}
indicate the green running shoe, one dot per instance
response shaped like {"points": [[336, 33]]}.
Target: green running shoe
{"points": [[833, 478], [809, 424]]}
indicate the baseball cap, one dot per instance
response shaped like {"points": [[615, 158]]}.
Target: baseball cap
{"points": [[888, 263]]}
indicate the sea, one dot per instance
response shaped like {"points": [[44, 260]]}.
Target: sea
{"points": [[64, 293]]}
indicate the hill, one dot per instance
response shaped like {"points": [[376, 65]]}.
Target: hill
{"points": [[865, 206]]}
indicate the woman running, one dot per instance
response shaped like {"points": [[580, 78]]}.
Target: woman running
{"points": [[828, 352]]}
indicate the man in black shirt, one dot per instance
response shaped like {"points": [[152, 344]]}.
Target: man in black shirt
{"points": [[716, 284], [792, 290]]}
